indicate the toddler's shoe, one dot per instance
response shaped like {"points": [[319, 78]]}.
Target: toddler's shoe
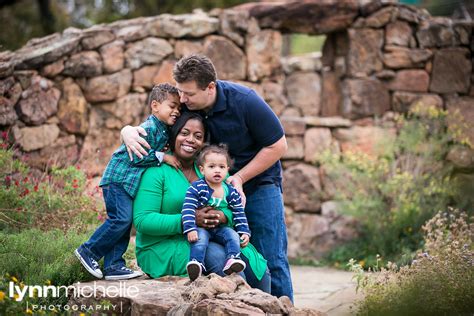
{"points": [[122, 273], [194, 269], [90, 264], [234, 265]]}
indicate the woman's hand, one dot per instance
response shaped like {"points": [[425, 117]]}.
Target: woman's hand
{"points": [[134, 142], [208, 217], [193, 236], [244, 240]]}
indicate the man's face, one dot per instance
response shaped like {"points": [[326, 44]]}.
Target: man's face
{"points": [[196, 98]]}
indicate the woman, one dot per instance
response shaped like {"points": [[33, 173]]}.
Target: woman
{"points": [[162, 249]]}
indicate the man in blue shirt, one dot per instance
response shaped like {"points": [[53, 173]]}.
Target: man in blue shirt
{"points": [[237, 116]]}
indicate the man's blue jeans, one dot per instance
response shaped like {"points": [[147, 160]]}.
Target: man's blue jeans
{"points": [[225, 236], [215, 260], [265, 214], [111, 239]]}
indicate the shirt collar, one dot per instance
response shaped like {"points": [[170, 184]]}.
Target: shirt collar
{"points": [[221, 99], [159, 124]]}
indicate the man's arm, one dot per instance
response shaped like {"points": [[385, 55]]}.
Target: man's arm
{"points": [[130, 135]]}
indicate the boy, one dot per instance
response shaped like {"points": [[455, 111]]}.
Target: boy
{"points": [[214, 163], [120, 183]]}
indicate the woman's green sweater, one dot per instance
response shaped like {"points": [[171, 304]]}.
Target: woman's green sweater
{"points": [[161, 248]]}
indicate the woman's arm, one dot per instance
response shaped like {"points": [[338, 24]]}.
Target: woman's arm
{"points": [[147, 213]]}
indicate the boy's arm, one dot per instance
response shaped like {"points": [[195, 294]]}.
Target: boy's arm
{"points": [[188, 213], [240, 220]]}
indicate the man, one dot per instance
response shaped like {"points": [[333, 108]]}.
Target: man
{"points": [[237, 116]]}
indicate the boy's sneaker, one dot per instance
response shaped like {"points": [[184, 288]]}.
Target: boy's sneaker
{"points": [[123, 273], [234, 265], [90, 264], [194, 269]]}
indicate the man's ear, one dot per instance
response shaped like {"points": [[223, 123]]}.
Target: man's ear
{"points": [[211, 86]]}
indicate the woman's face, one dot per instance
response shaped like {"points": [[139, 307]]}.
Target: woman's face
{"points": [[190, 140]]}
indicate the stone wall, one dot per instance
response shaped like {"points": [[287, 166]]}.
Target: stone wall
{"points": [[64, 98]]}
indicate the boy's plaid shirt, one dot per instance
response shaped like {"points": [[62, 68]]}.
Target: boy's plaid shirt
{"points": [[120, 170]]}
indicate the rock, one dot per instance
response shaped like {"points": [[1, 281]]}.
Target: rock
{"points": [[234, 25], [327, 121], [10, 92], [398, 33], [127, 110], [186, 47], [83, 64], [73, 108], [131, 30], [308, 236], [302, 188], [184, 25], [7, 64], [314, 17], [452, 69], [225, 307], [112, 56], [463, 31], [291, 111], [293, 126], [381, 17], [330, 209], [332, 99], [263, 54], [316, 142], [32, 138], [232, 64], [410, 80], [435, 32], [53, 69], [465, 186], [62, 153], [165, 73], [401, 57], [96, 36], [304, 91], [143, 77], [365, 97], [38, 52], [404, 101], [295, 148], [461, 156], [38, 102], [24, 77], [108, 87], [310, 62], [364, 48], [274, 95], [460, 118], [363, 139], [148, 51], [253, 297]]}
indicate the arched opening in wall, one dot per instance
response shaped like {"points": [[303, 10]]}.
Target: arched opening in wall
{"points": [[297, 44]]}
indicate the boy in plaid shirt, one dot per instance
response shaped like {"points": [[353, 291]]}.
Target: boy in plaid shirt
{"points": [[120, 183]]}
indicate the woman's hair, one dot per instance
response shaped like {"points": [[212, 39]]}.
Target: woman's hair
{"points": [[180, 122], [221, 149]]}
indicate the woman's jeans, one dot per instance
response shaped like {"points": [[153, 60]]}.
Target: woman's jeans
{"points": [[215, 260], [225, 236], [111, 239], [265, 214]]}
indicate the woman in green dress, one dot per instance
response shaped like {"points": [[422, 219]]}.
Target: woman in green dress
{"points": [[161, 247]]}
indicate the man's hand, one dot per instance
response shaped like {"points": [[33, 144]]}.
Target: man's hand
{"points": [[244, 240], [237, 181], [208, 217], [172, 161], [134, 142], [193, 236]]}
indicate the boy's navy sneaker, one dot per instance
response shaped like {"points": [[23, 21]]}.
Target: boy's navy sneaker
{"points": [[90, 264], [123, 273]]}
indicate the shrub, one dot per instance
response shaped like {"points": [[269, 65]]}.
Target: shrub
{"points": [[46, 201], [440, 281], [395, 191]]}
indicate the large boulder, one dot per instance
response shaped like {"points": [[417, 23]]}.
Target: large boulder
{"points": [[365, 97], [304, 91], [108, 87], [83, 64], [73, 108], [263, 54], [32, 138], [10, 92], [302, 188], [232, 64], [452, 69], [364, 50], [148, 51]]}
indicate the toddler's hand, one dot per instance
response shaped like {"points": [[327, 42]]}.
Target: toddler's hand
{"points": [[193, 236], [244, 240], [172, 161]]}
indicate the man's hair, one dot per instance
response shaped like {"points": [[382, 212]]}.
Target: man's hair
{"points": [[197, 68], [180, 122], [221, 149], [160, 92]]}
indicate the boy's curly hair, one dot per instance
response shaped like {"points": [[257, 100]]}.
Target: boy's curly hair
{"points": [[217, 149], [160, 92]]}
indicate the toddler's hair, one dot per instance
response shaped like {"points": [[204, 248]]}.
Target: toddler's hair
{"points": [[160, 92], [217, 149]]}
